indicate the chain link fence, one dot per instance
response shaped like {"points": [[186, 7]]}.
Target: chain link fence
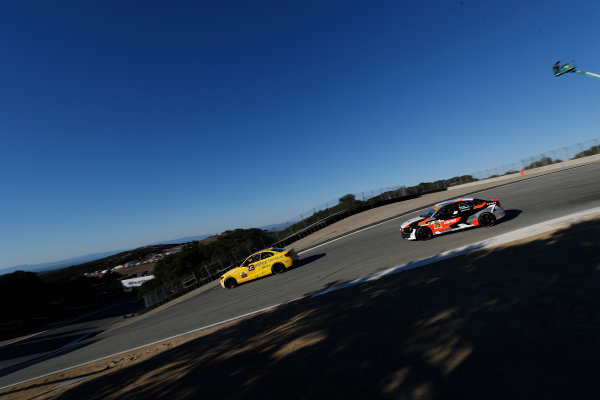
{"points": [[184, 284], [578, 150], [334, 210]]}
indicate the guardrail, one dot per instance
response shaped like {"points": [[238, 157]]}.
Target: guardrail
{"points": [[335, 210]]}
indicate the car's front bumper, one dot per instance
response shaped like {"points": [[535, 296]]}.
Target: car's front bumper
{"points": [[408, 233]]}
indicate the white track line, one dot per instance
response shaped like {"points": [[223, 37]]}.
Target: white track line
{"points": [[543, 227], [51, 328]]}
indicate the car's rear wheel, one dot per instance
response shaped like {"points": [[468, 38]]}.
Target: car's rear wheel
{"points": [[278, 268], [230, 283], [424, 233], [487, 219]]}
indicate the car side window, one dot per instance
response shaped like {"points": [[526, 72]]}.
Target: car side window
{"points": [[465, 206], [265, 255], [252, 259], [446, 211]]}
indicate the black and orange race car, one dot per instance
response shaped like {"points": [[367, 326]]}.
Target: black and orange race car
{"points": [[452, 215]]}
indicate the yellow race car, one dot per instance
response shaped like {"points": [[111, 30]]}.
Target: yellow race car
{"points": [[262, 263]]}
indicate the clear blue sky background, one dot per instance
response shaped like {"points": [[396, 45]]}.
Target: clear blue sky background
{"points": [[128, 123]]}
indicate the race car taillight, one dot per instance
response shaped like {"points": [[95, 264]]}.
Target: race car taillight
{"points": [[497, 202], [288, 254]]}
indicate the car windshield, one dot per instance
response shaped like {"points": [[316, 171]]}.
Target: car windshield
{"points": [[428, 213]]}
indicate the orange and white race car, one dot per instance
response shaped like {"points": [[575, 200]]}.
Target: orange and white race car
{"points": [[452, 215]]}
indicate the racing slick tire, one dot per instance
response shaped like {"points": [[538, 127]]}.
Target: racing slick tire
{"points": [[230, 283], [424, 233], [278, 268], [487, 219]]}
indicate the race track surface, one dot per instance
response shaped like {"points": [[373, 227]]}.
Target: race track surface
{"points": [[345, 259]]}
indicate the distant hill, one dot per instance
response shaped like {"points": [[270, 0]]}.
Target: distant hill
{"points": [[49, 266], [277, 227], [183, 240], [108, 262]]}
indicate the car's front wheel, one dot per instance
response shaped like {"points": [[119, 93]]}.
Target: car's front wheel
{"points": [[230, 283], [424, 233], [487, 219]]}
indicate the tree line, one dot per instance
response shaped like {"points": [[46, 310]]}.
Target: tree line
{"points": [[225, 249]]}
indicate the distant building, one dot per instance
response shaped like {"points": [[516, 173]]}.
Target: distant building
{"points": [[136, 282]]}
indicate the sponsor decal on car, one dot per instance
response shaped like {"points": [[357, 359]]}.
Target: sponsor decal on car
{"points": [[451, 221]]}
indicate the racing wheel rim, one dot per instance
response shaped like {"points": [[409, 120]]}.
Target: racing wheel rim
{"points": [[424, 233], [487, 219]]}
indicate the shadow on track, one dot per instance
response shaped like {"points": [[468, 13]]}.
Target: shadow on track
{"points": [[55, 353], [515, 322], [56, 342], [510, 215], [38, 344], [309, 259]]}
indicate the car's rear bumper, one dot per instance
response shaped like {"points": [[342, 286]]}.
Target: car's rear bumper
{"points": [[499, 213]]}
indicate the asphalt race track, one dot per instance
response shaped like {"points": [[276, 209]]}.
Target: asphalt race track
{"points": [[363, 253]]}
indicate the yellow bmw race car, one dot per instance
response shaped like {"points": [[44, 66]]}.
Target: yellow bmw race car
{"points": [[262, 263]]}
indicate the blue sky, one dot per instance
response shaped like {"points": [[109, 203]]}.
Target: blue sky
{"points": [[128, 123]]}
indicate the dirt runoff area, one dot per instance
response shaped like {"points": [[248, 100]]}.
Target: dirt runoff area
{"points": [[520, 321]]}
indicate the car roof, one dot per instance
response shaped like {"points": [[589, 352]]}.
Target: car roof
{"points": [[275, 249], [445, 202]]}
